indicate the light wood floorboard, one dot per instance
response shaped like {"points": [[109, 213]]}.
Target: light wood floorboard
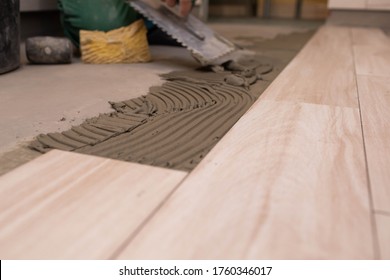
{"points": [[372, 56], [374, 93], [378, 4], [347, 4], [287, 182], [383, 225], [322, 73], [71, 206], [371, 49], [368, 37]]}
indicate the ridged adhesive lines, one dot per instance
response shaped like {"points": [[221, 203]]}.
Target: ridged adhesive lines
{"points": [[174, 125]]}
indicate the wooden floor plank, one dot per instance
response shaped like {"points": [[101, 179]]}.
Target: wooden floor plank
{"points": [[347, 4], [374, 93], [368, 36], [383, 225], [322, 73], [287, 182], [71, 206], [372, 52], [378, 4]]}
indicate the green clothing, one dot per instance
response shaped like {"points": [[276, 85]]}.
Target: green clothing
{"points": [[102, 15]]}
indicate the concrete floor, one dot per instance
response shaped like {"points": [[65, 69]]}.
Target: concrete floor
{"points": [[42, 98], [47, 98]]}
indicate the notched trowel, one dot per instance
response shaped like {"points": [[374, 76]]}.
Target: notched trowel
{"points": [[205, 45]]}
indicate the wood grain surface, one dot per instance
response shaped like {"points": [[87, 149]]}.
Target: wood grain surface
{"points": [[374, 95], [372, 57], [383, 225], [371, 52], [287, 182], [322, 73], [71, 206], [347, 4], [368, 37], [378, 4]]}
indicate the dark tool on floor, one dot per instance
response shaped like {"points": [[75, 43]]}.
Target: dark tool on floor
{"points": [[205, 45], [49, 50], [9, 35]]}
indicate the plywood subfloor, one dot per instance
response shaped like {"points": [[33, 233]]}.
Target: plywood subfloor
{"points": [[302, 175]]}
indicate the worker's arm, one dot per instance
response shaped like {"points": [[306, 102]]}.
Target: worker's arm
{"points": [[185, 5]]}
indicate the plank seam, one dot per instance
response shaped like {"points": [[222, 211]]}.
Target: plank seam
{"points": [[132, 235], [374, 229], [380, 212]]}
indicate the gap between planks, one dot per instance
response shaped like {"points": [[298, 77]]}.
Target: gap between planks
{"points": [[372, 58]]}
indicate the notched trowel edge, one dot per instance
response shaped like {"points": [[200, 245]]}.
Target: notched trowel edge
{"points": [[206, 46]]}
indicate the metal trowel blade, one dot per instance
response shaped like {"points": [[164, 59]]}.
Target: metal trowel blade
{"points": [[206, 46]]}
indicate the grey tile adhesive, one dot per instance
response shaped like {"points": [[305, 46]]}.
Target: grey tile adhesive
{"points": [[175, 125]]}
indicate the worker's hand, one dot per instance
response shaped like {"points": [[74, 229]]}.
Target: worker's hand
{"points": [[185, 6]]}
